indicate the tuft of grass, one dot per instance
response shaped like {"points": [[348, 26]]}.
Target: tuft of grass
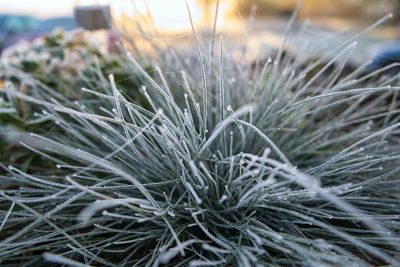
{"points": [[60, 64], [248, 166]]}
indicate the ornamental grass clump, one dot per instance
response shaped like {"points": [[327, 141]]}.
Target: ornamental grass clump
{"points": [[228, 165], [60, 63]]}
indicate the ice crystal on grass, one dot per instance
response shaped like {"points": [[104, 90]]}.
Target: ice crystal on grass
{"points": [[251, 166]]}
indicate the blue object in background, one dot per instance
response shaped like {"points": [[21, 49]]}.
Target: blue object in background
{"points": [[386, 54], [14, 28]]}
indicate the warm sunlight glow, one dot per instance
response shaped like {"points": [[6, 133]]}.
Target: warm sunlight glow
{"points": [[167, 15], [171, 14]]}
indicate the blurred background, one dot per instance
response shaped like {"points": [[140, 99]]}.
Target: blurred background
{"points": [[172, 13], [261, 21]]}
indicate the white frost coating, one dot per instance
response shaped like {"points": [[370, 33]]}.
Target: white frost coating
{"points": [[50, 257], [222, 125], [195, 263], [254, 189], [193, 192], [222, 199], [215, 249], [255, 237], [87, 213], [172, 252]]}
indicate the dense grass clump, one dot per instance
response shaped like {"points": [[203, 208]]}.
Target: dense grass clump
{"points": [[282, 163], [60, 64]]}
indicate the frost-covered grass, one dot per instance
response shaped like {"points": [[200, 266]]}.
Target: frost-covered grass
{"points": [[61, 63], [230, 165]]}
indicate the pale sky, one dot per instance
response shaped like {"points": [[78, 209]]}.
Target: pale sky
{"points": [[40, 8], [171, 12], [50, 7]]}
